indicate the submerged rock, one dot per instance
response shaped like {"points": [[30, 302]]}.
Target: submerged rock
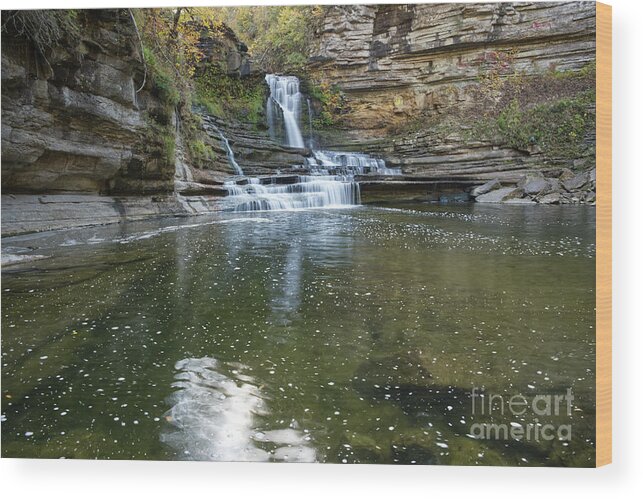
{"points": [[418, 447], [360, 448], [402, 370]]}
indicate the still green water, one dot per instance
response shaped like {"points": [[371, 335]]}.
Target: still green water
{"points": [[347, 336]]}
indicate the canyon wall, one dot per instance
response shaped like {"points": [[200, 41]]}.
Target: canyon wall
{"points": [[72, 119], [88, 137], [399, 64]]}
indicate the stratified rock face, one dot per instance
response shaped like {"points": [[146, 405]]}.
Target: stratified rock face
{"points": [[396, 63], [72, 121], [398, 60]]}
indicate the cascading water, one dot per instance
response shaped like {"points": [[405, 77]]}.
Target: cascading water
{"points": [[226, 143], [349, 163], [285, 95], [330, 182], [230, 153], [303, 191]]}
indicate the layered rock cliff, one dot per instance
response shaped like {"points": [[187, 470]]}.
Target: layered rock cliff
{"points": [[72, 119], [88, 137], [411, 73], [457, 94]]}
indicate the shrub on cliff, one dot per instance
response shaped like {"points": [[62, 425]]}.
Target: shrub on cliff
{"points": [[331, 103], [231, 97], [557, 128], [44, 28]]}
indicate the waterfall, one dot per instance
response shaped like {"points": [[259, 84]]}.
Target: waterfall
{"points": [[349, 163], [331, 180], [229, 152], [302, 191], [284, 93], [210, 124]]}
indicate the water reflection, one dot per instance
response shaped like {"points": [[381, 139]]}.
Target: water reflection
{"points": [[287, 283], [339, 336], [213, 417]]}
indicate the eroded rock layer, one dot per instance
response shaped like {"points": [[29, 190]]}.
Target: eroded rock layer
{"points": [[72, 119], [399, 63]]}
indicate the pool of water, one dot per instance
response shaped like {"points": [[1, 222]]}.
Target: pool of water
{"points": [[348, 336]]}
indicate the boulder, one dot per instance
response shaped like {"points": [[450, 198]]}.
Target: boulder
{"points": [[536, 186], [551, 198], [554, 185], [534, 175], [485, 188], [566, 174], [496, 196], [577, 182]]}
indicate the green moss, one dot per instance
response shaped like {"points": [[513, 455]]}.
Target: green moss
{"points": [[200, 152], [169, 148], [162, 79], [160, 145], [551, 113], [231, 97], [331, 103]]}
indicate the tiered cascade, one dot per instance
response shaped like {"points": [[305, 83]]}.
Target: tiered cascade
{"points": [[329, 181]]}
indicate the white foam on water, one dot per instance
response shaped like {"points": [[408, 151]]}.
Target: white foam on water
{"points": [[11, 259], [173, 228]]}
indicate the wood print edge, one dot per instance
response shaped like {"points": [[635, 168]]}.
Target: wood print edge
{"points": [[603, 234]]}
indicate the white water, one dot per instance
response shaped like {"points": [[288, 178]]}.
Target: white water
{"points": [[226, 144], [314, 191], [349, 163], [284, 93], [330, 183]]}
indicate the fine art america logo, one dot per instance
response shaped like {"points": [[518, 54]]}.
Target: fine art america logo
{"points": [[527, 410]]}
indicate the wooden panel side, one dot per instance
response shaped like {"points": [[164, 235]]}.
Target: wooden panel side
{"points": [[603, 234]]}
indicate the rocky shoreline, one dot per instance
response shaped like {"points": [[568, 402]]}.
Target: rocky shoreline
{"points": [[551, 187]]}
